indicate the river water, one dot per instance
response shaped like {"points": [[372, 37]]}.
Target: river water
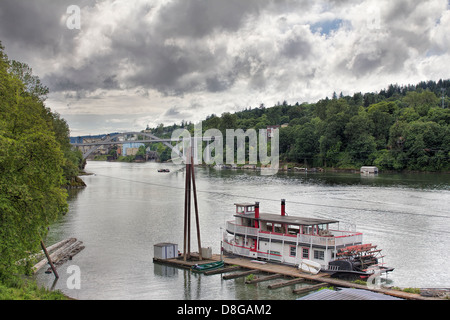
{"points": [[129, 207]]}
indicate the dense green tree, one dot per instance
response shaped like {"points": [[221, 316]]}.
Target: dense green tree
{"points": [[31, 165], [306, 144], [422, 102]]}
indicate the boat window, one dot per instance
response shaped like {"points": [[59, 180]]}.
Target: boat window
{"points": [[305, 253], [245, 222], [268, 227], [292, 251], [278, 228], [293, 230], [251, 209], [240, 209], [319, 255]]}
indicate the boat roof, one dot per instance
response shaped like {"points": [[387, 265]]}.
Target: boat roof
{"points": [[291, 220], [245, 204]]}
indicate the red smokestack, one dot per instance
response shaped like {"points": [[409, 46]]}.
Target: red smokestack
{"points": [[283, 207], [256, 214]]}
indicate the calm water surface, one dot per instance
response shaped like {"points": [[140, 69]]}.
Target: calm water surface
{"points": [[127, 208]]}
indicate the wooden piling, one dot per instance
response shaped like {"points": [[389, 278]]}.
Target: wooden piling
{"points": [[286, 283], [239, 275], [309, 288], [222, 270], [262, 279], [196, 210], [186, 208], [190, 182]]}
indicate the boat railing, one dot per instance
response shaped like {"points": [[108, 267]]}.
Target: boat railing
{"points": [[235, 228], [236, 249], [338, 238], [329, 268], [269, 256]]}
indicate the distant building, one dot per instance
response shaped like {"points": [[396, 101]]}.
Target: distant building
{"points": [[369, 170], [270, 131], [132, 145], [132, 151]]}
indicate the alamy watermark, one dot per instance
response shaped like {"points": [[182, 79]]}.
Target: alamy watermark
{"points": [[374, 18], [74, 280], [212, 153], [374, 281], [73, 21]]}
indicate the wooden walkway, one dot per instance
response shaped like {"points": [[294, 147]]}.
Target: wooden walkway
{"points": [[236, 263]]}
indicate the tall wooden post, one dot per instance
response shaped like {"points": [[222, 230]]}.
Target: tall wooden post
{"points": [[49, 259], [186, 208], [188, 173], [196, 210], [190, 179]]}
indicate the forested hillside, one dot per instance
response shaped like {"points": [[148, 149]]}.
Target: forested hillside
{"points": [[398, 128]]}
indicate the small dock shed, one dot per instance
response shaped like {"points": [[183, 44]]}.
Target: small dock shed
{"points": [[165, 250]]}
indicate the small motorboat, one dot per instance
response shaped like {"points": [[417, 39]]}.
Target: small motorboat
{"points": [[163, 170], [207, 266]]}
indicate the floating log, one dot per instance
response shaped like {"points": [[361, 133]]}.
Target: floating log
{"points": [[223, 270], [262, 279], [286, 283], [68, 254], [309, 288], [41, 255], [239, 275], [60, 244]]}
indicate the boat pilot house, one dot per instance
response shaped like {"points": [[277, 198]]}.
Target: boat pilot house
{"points": [[291, 239]]}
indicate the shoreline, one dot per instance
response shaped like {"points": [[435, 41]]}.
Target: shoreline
{"points": [[293, 167]]}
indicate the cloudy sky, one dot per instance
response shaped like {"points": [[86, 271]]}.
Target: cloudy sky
{"points": [[143, 62]]}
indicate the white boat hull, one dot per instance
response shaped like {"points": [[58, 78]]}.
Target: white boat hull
{"points": [[309, 266]]}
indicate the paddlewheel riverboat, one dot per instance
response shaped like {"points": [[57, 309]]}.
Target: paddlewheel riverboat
{"points": [[300, 241]]}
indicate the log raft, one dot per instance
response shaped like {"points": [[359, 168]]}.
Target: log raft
{"points": [[59, 253]]}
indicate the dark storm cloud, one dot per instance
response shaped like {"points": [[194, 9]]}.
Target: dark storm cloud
{"points": [[298, 47], [400, 11], [196, 18], [30, 21], [37, 24], [172, 68], [98, 74]]}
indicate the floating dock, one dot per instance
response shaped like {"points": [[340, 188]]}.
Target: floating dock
{"points": [[242, 267]]}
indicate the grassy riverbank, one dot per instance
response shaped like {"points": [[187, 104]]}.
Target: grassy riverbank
{"points": [[19, 289]]}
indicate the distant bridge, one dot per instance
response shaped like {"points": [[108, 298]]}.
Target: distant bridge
{"points": [[113, 140]]}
